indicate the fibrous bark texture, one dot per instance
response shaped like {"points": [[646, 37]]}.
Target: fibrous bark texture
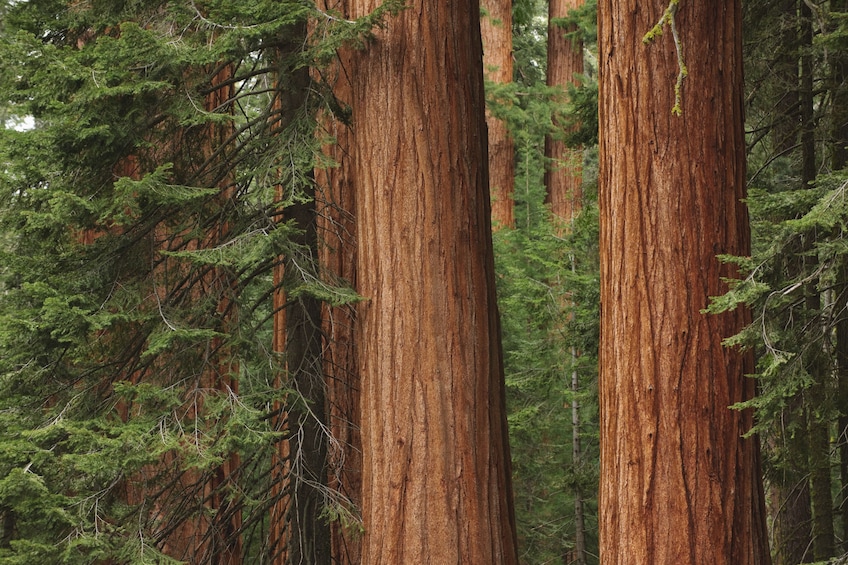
{"points": [[678, 482], [436, 472], [564, 177], [336, 201], [496, 29]]}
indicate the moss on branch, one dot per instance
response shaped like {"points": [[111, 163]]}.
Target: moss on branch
{"points": [[668, 19]]}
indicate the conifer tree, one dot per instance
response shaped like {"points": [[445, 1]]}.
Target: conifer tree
{"points": [[679, 483], [436, 471], [336, 201], [564, 193], [496, 31], [140, 391]]}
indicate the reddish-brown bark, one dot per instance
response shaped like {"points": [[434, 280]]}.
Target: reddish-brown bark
{"points": [[564, 177], [211, 530], [678, 482], [336, 204], [436, 482], [496, 30]]}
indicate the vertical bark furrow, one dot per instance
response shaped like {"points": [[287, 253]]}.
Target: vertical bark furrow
{"points": [[670, 197], [425, 268]]}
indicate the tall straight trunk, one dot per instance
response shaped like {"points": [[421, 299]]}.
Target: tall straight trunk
{"points": [[784, 131], [338, 256], [336, 201], [789, 489], [564, 176], [679, 484], [577, 461], [842, 398], [308, 536], [496, 30], [300, 533], [838, 147], [563, 183], [436, 469], [225, 526], [821, 498]]}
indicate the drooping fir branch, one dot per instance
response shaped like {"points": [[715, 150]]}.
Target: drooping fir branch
{"points": [[668, 19]]}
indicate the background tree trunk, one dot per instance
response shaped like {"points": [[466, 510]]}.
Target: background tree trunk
{"points": [[436, 469], [300, 532], [564, 177], [678, 484], [496, 30], [838, 160], [821, 498]]}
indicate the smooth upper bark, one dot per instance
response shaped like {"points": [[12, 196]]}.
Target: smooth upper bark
{"points": [[436, 471], [678, 482]]}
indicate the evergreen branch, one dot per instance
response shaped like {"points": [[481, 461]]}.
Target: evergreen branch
{"points": [[668, 19]]}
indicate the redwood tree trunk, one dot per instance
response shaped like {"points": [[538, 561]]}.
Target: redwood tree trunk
{"points": [[564, 177], [496, 29], [678, 482], [436, 470]]}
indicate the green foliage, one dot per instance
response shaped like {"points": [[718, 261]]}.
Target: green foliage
{"points": [[140, 230], [581, 24], [796, 280], [803, 252], [548, 285], [548, 296]]}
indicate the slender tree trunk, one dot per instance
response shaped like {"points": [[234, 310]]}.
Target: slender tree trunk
{"points": [[789, 490], [192, 517], [577, 461], [790, 509], [842, 392], [300, 534], [838, 160], [496, 30], [309, 533], [784, 132], [821, 498], [679, 484], [225, 525], [436, 470]]}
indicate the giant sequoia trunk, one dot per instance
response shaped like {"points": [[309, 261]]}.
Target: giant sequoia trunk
{"points": [[564, 177], [436, 471], [678, 482], [496, 30]]}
